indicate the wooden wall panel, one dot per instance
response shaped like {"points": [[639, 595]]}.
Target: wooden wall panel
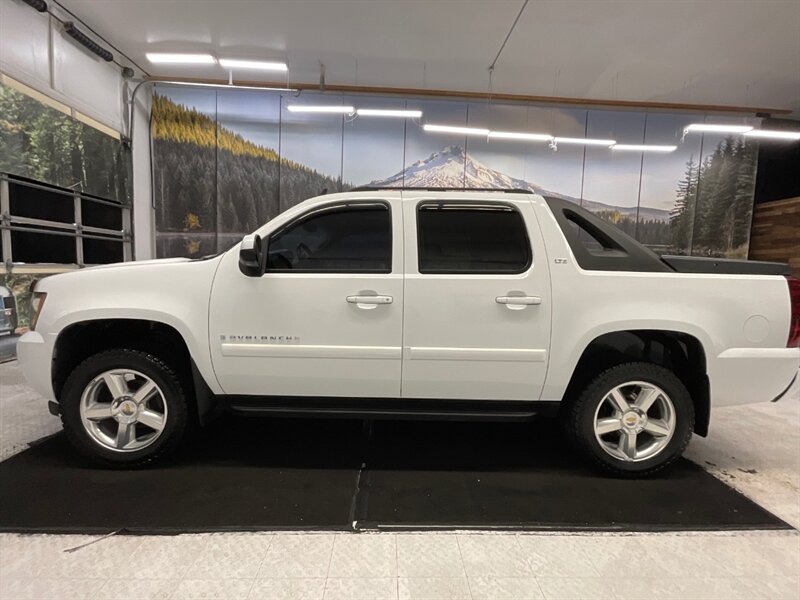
{"points": [[776, 233]]}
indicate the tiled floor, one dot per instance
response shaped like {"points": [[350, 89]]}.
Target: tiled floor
{"points": [[755, 448], [414, 565]]}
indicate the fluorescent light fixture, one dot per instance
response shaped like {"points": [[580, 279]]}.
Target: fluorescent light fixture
{"points": [[718, 128], [235, 63], [453, 129], [644, 147], [584, 141], [518, 135], [379, 112], [180, 59], [773, 134], [312, 108]]}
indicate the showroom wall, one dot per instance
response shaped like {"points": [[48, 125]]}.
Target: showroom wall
{"points": [[227, 161]]}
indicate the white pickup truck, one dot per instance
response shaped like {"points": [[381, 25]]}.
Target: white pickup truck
{"points": [[442, 304]]}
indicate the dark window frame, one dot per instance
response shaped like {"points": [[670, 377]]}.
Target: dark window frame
{"points": [[77, 228], [317, 211], [476, 205]]}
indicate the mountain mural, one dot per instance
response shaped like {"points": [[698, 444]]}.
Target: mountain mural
{"points": [[452, 167]]}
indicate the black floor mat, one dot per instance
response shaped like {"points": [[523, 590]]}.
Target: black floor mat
{"points": [[296, 473]]}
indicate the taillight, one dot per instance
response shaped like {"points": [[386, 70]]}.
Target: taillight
{"points": [[794, 322]]}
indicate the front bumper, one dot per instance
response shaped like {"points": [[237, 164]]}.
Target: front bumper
{"points": [[35, 356]]}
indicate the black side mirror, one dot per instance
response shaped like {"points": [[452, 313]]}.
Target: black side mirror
{"points": [[250, 255]]}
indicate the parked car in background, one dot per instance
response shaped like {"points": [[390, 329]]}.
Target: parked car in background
{"points": [[8, 311], [459, 304]]}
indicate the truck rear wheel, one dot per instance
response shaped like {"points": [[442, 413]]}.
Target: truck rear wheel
{"points": [[124, 408], [632, 420]]}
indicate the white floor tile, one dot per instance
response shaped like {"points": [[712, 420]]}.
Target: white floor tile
{"points": [[165, 557], [213, 589], [137, 589], [103, 558], [557, 555], [230, 556], [49, 589], [618, 556], [573, 588], [433, 588], [427, 555], [297, 588], [678, 556], [380, 588], [505, 588], [747, 555], [774, 588], [297, 555], [27, 556], [363, 555], [717, 588], [493, 554]]}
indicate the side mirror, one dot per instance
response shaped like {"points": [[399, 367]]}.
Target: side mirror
{"points": [[250, 255]]}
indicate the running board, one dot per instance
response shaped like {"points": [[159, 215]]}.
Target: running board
{"points": [[389, 408]]}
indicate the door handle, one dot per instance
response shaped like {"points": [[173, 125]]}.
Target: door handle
{"points": [[368, 302], [518, 301]]}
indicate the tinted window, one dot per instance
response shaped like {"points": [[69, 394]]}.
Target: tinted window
{"points": [[595, 242], [344, 239], [458, 238]]}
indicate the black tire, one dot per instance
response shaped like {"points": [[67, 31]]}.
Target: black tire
{"points": [[153, 367], [580, 414]]}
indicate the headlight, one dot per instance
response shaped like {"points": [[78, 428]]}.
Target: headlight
{"points": [[37, 302]]}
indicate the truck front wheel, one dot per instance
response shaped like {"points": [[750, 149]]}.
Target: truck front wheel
{"points": [[123, 408], [632, 420]]}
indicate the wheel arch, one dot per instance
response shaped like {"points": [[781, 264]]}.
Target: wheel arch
{"points": [[678, 351], [82, 339]]}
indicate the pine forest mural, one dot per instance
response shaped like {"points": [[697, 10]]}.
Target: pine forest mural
{"points": [[225, 163], [42, 143]]}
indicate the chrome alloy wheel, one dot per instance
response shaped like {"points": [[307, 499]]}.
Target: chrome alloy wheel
{"points": [[634, 421], [123, 410]]}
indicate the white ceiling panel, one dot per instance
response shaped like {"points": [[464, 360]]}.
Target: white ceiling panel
{"points": [[739, 52]]}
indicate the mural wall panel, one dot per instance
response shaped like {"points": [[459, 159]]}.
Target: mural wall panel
{"points": [[228, 161]]}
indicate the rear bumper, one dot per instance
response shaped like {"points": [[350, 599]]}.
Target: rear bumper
{"points": [[746, 375], [35, 356]]}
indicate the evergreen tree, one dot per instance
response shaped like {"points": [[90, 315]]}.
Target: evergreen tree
{"points": [[682, 215]]}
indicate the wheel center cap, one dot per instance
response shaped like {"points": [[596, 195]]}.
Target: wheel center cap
{"points": [[125, 410], [634, 420]]}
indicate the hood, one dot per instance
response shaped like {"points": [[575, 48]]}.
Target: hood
{"points": [[140, 263]]}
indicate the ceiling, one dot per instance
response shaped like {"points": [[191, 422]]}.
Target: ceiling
{"points": [[733, 52]]}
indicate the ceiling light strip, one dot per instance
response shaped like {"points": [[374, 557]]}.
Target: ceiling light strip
{"points": [[312, 108], [718, 128], [520, 135], [644, 147], [455, 129], [259, 65], [379, 112], [584, 141], [773, 134]]}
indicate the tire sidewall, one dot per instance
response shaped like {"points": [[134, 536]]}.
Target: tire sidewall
{"points": [[659, 376], [122, 359]]}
